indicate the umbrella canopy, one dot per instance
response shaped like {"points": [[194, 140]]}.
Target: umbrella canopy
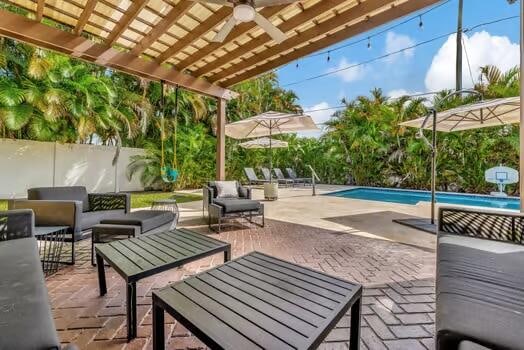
{"points": [[270, 123], [477, 115], [264, 142]]}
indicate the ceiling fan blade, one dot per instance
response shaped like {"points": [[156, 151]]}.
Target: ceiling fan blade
{"points": [[225, 30], [216, 2], [266, 3], [270, 28]]}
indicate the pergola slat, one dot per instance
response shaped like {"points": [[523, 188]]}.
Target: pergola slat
{"points": [[84, 17], [310, 13], [250, 65], [40, 10], [176, 12], [196, 34], [239, 30], [21, 28], [125, 21]]}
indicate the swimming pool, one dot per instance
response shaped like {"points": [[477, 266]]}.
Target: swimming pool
{"points": [[413, 197]]}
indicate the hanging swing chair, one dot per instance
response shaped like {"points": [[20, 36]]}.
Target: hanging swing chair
{"points": [[169, 173]]}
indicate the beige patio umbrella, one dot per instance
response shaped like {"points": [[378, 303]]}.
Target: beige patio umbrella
{"points": [[264, 142], [486, 113], [269, 124]]}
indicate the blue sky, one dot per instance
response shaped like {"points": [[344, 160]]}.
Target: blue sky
{"points": [[422, 69]]}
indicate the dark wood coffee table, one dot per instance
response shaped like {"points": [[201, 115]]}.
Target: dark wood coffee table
{"points": [[147, 255], [259, 302]]}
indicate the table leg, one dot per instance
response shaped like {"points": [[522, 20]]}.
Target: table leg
{"points": [[131, 311], [158, 327], [227, 255], [101, 275], [73, 249], [354, 332]]}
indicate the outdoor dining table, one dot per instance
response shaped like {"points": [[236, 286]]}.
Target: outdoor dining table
{"points": [[259, 302], [147, 255]]}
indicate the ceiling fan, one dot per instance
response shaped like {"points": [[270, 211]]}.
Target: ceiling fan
{"points": [[246, 11]]}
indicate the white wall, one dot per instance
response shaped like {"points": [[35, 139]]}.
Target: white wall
{"points": [[25, 164]]}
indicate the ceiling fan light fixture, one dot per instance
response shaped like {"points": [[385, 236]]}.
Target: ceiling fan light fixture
{"points": [[244, 13]]}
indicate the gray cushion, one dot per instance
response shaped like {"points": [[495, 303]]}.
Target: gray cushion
{"points": [[146, 219], [90, 219], [237, 205], [480, 292], [226, 189], [467, 345], [72, 193], [26, 321]]}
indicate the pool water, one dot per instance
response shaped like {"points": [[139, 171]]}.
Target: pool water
{"points": [[413, 197]]}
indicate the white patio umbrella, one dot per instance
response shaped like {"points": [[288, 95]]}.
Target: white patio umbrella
{"points": [[264, 142], [268, 124], [496, 112]]}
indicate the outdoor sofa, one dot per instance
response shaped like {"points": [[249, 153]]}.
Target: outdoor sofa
{"points": [[480, 279], [237, 205], [72, 206], [26, 321]]}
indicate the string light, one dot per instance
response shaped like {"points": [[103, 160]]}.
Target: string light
{"points": [[420, 23], [329, 56], [369, 42], [296, 66]]}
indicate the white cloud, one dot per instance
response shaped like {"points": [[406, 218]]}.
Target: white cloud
{"points": [[396, 42], [396, 93], [482, 49], [321, 114], [348, 74]]}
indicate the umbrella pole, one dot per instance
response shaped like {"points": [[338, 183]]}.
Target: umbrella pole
{"points": [[433, 166], [521, 160], [270, 153]]}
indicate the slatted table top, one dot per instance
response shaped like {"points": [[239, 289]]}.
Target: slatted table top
{"points": [[146, 255], [259, 302]]}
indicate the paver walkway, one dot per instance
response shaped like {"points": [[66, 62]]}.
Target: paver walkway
{"points": [[398, 307]]}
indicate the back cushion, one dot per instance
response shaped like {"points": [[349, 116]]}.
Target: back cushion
{"points": [[70, 193], [226, 189]]}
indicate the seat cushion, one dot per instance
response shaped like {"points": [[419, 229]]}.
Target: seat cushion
{"points": [[69, 193], [467, 345], [26, 321], [480, 292], [146, 219], [92, 218], [237, 205]]}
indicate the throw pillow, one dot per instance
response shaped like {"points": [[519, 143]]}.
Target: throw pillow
{"points": [[226, 189]]}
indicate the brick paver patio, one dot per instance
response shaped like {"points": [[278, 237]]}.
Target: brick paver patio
{"points": [[398, 307]]}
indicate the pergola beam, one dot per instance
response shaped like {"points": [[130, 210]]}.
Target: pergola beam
{"points": [[218, 17], [239, 30], [163, 26], [124, 22], [84, 17], [349, 31], [24, 29], [289, 25]]}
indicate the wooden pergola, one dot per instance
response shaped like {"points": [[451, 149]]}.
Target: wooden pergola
{"points": [[171, 40]]}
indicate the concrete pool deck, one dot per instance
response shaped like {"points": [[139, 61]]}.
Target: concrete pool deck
{"points": [[370, 219]]}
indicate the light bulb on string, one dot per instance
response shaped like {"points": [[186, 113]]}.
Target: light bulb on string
{"points": [[329, 56], [369, 43], [420, 23], [296, 66]]}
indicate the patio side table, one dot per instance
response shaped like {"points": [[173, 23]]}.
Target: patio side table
{"points": [[259, 302], [50, 243], [148, 255], [170, 205]]}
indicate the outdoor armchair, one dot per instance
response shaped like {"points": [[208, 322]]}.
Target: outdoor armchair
{"points": [[253, 178], [480, 279], [240, 206]]}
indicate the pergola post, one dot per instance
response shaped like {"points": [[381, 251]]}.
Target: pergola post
{"points": [[521, 125], [221, 139]]}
